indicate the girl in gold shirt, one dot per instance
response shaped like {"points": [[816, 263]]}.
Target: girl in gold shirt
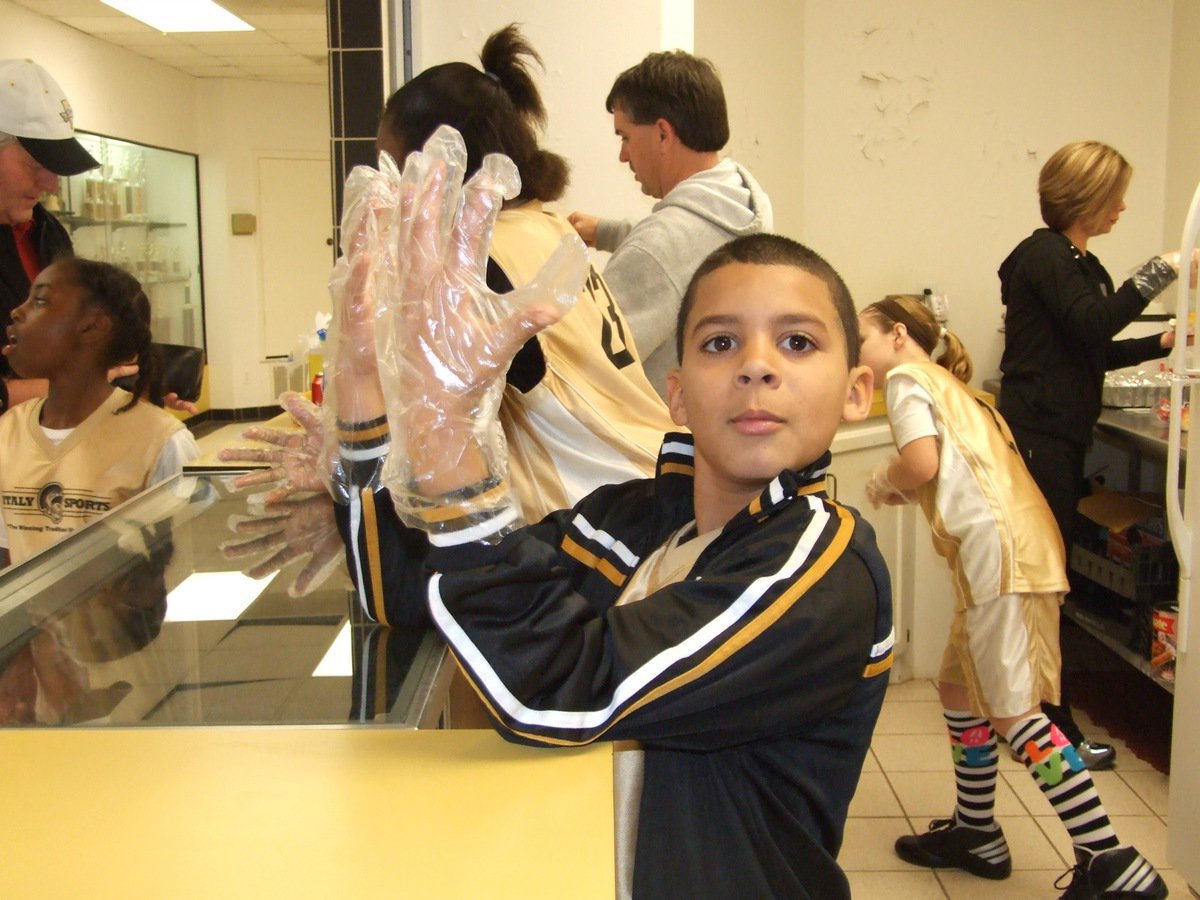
{"points": [[87, 446]]}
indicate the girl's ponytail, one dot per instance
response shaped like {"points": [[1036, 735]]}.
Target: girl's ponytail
{"points": [[954, 358], [924, 328]]}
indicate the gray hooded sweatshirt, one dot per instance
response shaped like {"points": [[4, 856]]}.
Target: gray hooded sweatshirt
{"points": [[653, 260]]}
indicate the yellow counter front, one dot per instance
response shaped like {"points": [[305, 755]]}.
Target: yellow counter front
{"points": [[301, 812]]}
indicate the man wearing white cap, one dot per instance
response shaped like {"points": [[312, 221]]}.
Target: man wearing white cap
{"points": [[37, 144]]}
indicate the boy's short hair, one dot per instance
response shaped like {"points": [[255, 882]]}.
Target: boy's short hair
{"points": [[775, 250], [681, 88]]}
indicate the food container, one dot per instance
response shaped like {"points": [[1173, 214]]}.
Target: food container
{"points": [[1133, 391], [1162, 644]]}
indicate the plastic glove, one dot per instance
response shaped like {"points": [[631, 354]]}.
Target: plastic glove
{"points": [[353, 393], [880, 489], [444, 340], [295, 529], [1170, 299], [1154, 275], [295, 465]]}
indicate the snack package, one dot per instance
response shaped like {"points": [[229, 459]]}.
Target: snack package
{"points": [[1162, 644]]}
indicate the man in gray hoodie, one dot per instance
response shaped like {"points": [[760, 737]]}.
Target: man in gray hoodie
{"points": [[669, 112]]}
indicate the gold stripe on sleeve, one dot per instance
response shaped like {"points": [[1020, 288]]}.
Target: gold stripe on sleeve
{"points": [[878, 668], [362, 434], [371, 539], [752, 630], [678, 469], [461, 510], [379, 686], [592, 561]]}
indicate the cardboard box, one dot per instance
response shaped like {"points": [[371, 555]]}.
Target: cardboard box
{"points": [[1118, 511], [1125, 549]]}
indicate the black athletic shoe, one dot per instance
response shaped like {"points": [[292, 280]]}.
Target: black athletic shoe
{"points": [[1096, 756], [949, 845], [1122, 872]]}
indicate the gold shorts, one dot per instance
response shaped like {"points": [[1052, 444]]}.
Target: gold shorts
{"points": [[1005, 653]]}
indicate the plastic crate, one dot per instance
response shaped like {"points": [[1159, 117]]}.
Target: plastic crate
{"points": [[1150, 576]]}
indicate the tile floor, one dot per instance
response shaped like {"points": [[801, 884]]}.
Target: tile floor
{"points": [[908, 780]]}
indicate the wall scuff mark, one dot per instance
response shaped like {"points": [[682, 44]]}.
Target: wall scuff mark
{"points": [[897, 81]]}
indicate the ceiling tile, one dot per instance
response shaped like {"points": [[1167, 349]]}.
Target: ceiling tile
{"points": [[136, 40], [247, 38], [213, 71], [285, 22], [114, 23], [61, 8], [288, 45], [308, 48], [184, 56], [244, 8], [273, 48]]}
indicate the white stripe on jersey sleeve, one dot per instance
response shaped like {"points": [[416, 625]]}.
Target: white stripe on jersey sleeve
{"points": [[644, 675]]}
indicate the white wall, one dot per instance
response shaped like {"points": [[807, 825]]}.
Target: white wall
{"points": [[926, 122], [900, 138], [760, 59], [112, 91], [238, 122], [1183, 126], [230, 124], [584, 50]]}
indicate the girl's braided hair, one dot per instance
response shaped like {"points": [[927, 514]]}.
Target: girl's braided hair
{"points": [[121, 296]]}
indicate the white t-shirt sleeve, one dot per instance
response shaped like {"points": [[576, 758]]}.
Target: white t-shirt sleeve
{"points": [[910, 410], [181, 448]]}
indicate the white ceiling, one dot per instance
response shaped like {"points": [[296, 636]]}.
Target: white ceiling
{"points": [[288, 43]]}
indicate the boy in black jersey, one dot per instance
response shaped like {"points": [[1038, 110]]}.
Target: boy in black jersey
{"points": [[726, 614]]}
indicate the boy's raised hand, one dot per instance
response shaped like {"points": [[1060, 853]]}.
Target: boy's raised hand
{"points": [[371, 201], [444, 340], [353, 394], [295, 466], [278, 533]]}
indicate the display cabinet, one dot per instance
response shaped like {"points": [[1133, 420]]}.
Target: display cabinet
{"points": [[155, 614], [140, 210]]}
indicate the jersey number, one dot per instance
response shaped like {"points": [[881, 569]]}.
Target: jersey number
{"points": [[611, 322]]}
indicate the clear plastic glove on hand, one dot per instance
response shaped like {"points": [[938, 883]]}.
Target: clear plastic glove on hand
{"points": [[362, 274], [1154, 275], [880, 489], [443, 340], [1153, 288], [281, 533], [295, 465]]}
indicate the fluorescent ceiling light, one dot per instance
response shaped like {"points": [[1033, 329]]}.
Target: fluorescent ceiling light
{"points": [[214, 596], [180, 15], [339, 658]]}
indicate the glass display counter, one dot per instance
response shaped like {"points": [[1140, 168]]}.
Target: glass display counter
{"points": [[145, 617]]}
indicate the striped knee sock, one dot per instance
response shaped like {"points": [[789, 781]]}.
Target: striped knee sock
{"points": [[973, 746], [1056, 767]]}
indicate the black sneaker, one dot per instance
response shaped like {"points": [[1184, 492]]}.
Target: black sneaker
{"points": [[1122, 872], [1096, 756], [949, 845]]}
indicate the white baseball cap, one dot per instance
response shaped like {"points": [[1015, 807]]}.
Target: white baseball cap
{"points": [[34, 110]]}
